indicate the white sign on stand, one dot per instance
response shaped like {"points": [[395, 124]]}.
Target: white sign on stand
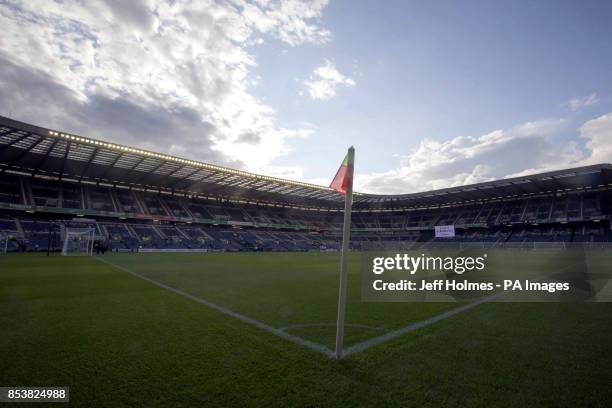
{"points": [[445, 231]]}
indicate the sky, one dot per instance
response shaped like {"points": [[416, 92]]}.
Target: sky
{"points": [[431, 94]]}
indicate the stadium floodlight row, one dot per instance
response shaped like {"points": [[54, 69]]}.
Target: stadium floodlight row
{"points": [[138, 199]]}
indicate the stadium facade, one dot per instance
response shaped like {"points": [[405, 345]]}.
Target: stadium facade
{"points": [[142, 200]]}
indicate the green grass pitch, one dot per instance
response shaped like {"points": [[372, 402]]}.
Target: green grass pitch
{"points": [[118, 340]]}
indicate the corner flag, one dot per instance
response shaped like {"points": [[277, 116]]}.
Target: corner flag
{"points": [[344, 175], [343, 183]]}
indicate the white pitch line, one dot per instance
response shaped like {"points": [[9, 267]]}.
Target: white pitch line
{"points": [[307, 325], [356, 348], [295, 339], [411, 327]]}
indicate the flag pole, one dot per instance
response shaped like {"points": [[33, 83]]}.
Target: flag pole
{"points": [[346, 236]]}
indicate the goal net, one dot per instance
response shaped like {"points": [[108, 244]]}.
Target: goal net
{"points": [[78, 241]]}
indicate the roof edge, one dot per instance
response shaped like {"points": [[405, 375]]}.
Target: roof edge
{"points": [[4, 121], [46, 132]]}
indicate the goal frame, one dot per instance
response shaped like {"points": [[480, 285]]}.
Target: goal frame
{"points": [[87, 233]]}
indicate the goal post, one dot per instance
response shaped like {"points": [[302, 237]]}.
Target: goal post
{"points": [[4, 240], [78, 241]]}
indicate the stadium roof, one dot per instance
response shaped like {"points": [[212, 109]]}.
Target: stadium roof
{"points": [[586, 178], [41, 151]]}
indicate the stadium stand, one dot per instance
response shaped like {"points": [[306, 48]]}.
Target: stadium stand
{"points": [[140, 200]]}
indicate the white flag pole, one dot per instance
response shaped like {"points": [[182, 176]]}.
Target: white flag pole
{"points": [[346, 236]]}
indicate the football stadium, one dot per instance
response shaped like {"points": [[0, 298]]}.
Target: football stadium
{"points": [[305, 203], [136, 277]]}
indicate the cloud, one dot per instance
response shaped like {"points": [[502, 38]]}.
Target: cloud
{"points": [[288, 20], [578, 103], [249, 138], [286, 172], [598, 136], [169, 76], [526, 148], [324, 80]]}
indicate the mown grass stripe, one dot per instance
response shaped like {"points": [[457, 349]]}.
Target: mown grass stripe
{"points": [[280, 333]]}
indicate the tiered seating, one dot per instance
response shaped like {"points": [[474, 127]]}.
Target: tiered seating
{"points": [[175, 207], [559, 209], [604, 236], [385, 220], [591, 207], [467, 215], [10, 190], [268, 241], [71, 196], [8, 227], [100, 199], [120, 237], [512, 212], [258, 216], [494, 214], [127, 201], [173, 238], [227, 240], [45, 192], [448, 217], [147, 236], [152, 204], [486, 213], [37, 234], [574, 208], [198, 239], [236, 214], [486, 236], [538, 210], [557, 217], [541, 234], [360, 221], [199, 209], [80, 224]]}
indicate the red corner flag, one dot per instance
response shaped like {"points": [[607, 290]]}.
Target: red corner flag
{"points": [[344, 175], [343, 183]]}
